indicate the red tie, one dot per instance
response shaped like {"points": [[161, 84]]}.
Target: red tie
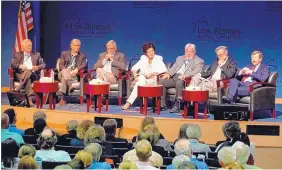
{"points": [[246, 76]]}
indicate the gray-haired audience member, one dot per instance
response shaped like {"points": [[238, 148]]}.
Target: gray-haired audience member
{"points": [[96, 150], [227, 158], [39, 115], [110, 126], [177, 160], [187, 165]]}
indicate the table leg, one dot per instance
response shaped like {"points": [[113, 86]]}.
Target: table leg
{"points": [[44, 97], [158, 103], [107, 103], [41, 100], [206, 110], [88, 102], [145, 105], [141, 105], [196, 110], [54, 100], [154, 104], [37, 100], [99, 103], [50, 100], [95, 103], [185, 109]]}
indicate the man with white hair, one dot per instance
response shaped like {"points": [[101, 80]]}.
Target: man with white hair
{"points": [[71, 63], [183, 147], [242, 155], [110, 63], [27, 65], [227, 158], [185, 66]]}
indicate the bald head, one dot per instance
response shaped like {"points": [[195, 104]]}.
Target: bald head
{"points": [[183, 147], [4, 121], [46, 133]]}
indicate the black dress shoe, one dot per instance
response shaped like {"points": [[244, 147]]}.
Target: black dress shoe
{"points": [[227, 100], [163, 108], [175, 109], [71, 89]]}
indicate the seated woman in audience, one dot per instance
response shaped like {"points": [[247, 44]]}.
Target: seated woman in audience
{"points": [[71, 129], [27, 162], [193, 132], [9, 153], [243, 155], [96, 150], [46, 142], [182, 132], [148, 120], [96, 134], [227, 158], [81, 130], [243, 137], [85, 157], [76, 164], [110, 127], [38, 126], [149, 66], [29, 150], [127, 165]]}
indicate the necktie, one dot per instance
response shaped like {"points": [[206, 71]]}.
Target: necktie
{"points": [[246, 76]]}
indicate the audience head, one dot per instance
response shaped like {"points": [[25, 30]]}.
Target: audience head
{"points": [[110, 126], [143, 150], [9, 151], [76, 164], [47, 139], [26, 45], [75, 45], [155, 131], [26, 150], [27, 162], [149, 50], [146, 135], [96, 150], [94, 134], [85, 157], [193, 131], [83, 127], [39, 115], [4, 121], [183, 147], [182, 131], [124, 165], [231, 129], [12, 115], [147, 121], [221, 52], [39, 125], [242, 152], [226, 156], [190, 50], [72, 126], [243, 137], [177, 160], [186, 165], [256, 57], [111, 47], [63, 167]]}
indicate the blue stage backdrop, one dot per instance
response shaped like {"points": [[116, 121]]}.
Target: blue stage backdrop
{"points": [[241, 26]]}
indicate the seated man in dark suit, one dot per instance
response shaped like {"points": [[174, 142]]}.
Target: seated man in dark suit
{"points": [[27, 66], [71, 62], [110, 126], [255, 72]]}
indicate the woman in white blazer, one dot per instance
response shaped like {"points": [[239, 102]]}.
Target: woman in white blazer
{"points": [[149, 66]]}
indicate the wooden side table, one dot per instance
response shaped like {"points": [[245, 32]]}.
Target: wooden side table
{"points": [[146, 91], [39, 88], [196, 97], [96, 90]]}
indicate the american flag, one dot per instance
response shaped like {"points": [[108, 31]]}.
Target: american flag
{"points": [[25, 24]]}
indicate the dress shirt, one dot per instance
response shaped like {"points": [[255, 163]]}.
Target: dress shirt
{"points": [[249, 78], [184, 66], [27, 61]]}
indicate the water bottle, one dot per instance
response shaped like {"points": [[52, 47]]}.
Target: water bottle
{"points": [[52, 75], [41, 74]]}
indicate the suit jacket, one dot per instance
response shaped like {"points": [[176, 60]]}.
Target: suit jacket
{"points": [[118, 63], [260, 75], [65, 60], [18, 60], [228, 70], [197, 66]]}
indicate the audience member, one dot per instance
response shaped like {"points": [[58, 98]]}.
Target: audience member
{"points": [[110, 126], [183, 147], [76, 164], [127, 165], [177, 160], [81, 130], [187, 165], [38, 126], [63, 167], [144, 152], [227, 158], [13, 119], [96, 150], [39, 115], [85, 157], [243, 154], [29, 150], [193, 132], [243, 137], [46, 142], [27, 162], [9, 153], [71, 129], [5, 134]]}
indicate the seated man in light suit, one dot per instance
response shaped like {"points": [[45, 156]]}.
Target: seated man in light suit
{"points": [[185, 66], [71, 62], [224, 67], [255, 72], [110, 63], [27, 66]]}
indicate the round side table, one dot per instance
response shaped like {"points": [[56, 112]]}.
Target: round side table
{"points": [[196, 97], [155, 92], [96, 90], [40, 87]]}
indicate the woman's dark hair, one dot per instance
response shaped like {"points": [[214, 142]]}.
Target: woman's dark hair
{"points": [[39, 125], [243, 137], [9, 152], [231, 129], [148, 45], [76, 164]]}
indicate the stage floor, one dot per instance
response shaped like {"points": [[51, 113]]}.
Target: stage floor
{"points": [[134, 111]]}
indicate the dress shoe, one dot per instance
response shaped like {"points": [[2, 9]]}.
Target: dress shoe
{"points": [[71, 89], [175, 109], [126, 106], [62, 103], [163, 108], [227, 100], [30, 103]]}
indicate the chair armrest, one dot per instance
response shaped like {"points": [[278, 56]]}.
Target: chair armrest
{"points": [[11, 73], [89, 73], [252, 86]]}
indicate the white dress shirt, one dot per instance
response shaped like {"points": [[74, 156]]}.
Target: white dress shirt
{"points": [[249, 79], [27, 61]]}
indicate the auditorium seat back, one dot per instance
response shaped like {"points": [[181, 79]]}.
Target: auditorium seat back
{"points": [[51, 165], [69, 149]]}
